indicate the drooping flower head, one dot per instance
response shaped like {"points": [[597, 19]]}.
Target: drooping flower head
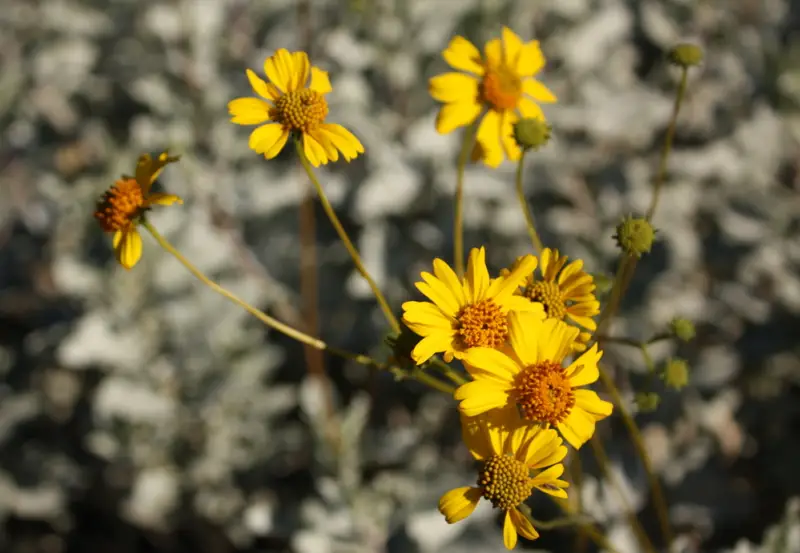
{"points": [[466, 313], [499, 82], [565, 290], [123, 205], [516, 459], [531, 377], [293, 102]]}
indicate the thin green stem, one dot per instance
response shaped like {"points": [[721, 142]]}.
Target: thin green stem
{"points": [[526, 211], [626, 266], [351, 249], [458, 217], [594, 534], [667, 148], [287, 330], [448, 371], [603, 460]]}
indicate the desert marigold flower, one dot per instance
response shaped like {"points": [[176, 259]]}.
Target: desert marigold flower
{"points": [[500, 82], [466, 313], [565, 291], [532, 378], [515, 460], [293, 102], [122, 207]]}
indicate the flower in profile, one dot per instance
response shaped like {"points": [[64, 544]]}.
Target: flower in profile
{"points": [[466, 313], [499, 82], [293, 102], [515, 460], [565, 291], [123, 206], [532, 378]]}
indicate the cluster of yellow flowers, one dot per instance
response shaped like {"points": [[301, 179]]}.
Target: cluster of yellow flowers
{"points": [[516, 334]]}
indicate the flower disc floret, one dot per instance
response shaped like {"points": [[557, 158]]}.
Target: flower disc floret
{"points": [[483, 324], [120, 206], [301, 111], [501, 88], [549, 295], [543, 393], [505, 481]]}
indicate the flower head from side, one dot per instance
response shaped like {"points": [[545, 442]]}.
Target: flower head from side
{"points": [[465, 313], [565, 290], [122, 207], [293, 102], [515, 459], [499, 82], [531, 377]]}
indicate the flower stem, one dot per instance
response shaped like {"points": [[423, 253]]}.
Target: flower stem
{"points": [[351, 249], [458, 217], [526, 211], [594, 534], [286, 330], [667, 147]]}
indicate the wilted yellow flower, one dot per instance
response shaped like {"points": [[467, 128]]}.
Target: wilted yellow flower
{"points": [[500, 83], [466, 313], [123, 205], [514, 461], [532, 378], [565, 290], [293, 102]]}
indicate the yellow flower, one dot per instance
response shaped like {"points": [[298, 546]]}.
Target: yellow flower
{"points": [[293, 102], [566, 292], [123, 205], [500, 82], [465, 313], [532, 378], [513, 459]]}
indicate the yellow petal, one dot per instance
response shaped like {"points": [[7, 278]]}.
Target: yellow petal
{"points": [[510, 146], [260, 87], [426, 313], [488, 138], [530, 60], [549, 483], [538, 91], [530, 109], [512, 46], [314, 151], [477, 276], [443, 272], [494, 53], [430, 346], [459, 503], [556, 338], [264, 139], [523, 329], [128, 247], [343, 140], [584, 369], [477, 397], [320, 81], [440, 294], [148, 169], [577, 428], [462, 54], [523, 525], [503, 288], [459, 114], [324, 140], [159, 198], [589, 401], [278, 69], [509, 532], [301, 70], [248, 111], [488, 363], [542, 448], [454, 87]]}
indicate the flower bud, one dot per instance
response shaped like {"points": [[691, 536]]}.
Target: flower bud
{"points": [[685, 55], [402, 345], [647, 401], [682, 329], [676, 373], [635, 236], [531, 133]]}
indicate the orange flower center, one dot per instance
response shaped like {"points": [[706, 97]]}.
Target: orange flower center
{"points": [[549, 295], [482, 324], [302, 110], [501, 88], [543, 392], [120, 206], [505, 481]]}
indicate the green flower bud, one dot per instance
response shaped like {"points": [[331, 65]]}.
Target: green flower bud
{"points": [[676, 373], [683, 329], [635, 236], [531, 133], [685, 55], [647, 401]]}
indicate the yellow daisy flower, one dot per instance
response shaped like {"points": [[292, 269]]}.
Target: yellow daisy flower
{"points": [[293, 102], [500, 83], [566, 291], [466, 313], [515, 460], [532, 378], [123, 205]]}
